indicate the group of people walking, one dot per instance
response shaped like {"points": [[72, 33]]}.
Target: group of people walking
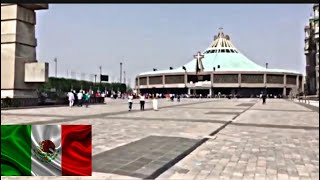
{"points": [[142, 102], [83, 97], [79, 98]]}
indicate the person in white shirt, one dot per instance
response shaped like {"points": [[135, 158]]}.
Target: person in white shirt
{"points": [[130, 101], [70, 98], [104, 97], [142, 102], [155, 103], [80, 96], [171, 97]]}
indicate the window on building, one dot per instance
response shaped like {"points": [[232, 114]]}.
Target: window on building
{"points": [[223, 50], [232, 50]]}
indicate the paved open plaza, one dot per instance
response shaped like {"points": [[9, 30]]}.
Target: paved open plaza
{"points": [[193, 139]]}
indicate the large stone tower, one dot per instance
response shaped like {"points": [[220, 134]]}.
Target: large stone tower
{"points": [[21, 74]]}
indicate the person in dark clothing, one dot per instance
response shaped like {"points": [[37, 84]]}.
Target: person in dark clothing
{"points": [[142, 102], [75, 98], [178, 98], [264, 97]]}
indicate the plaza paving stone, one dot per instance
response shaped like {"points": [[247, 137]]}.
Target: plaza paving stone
{"points": [[144, 158], [242, 152], [279, 140]]}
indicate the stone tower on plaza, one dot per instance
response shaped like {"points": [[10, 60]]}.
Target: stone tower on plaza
{"points": [[21, 73]]}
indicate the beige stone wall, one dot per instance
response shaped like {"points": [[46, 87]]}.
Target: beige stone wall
{"points": [[18, 48]]}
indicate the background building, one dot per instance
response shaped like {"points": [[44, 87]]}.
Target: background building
{"points": [[311, 50], [223, 68]]}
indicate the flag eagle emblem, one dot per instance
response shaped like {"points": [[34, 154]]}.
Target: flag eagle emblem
{"points": [[46, 151]]}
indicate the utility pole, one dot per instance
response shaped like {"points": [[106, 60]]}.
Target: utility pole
{"points": [[100, 68], [124, 77], [120, 72], [55, 62], [95, 80]]}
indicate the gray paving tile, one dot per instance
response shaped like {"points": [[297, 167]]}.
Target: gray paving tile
{"points": [[149, 163]]}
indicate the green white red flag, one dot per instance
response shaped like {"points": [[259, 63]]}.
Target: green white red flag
{"points": [[46, 150]]}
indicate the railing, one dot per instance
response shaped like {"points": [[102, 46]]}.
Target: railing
{"points": [[308, 98]]}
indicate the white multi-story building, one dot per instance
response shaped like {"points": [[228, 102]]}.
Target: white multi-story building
{"points": [[312, 53]]}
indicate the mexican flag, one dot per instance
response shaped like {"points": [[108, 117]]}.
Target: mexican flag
{"points": [[46, 150]]}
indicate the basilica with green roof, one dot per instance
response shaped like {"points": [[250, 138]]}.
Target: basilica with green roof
{"points": [[223, 69]]}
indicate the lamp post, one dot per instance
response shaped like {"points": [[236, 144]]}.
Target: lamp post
{"points": [[120, 72], [186, 77], [95, 79], [56, 62], [100, 68], [214, 69], [124, 77]]}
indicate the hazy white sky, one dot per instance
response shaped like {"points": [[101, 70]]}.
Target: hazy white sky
{"points": [[144, 37]]}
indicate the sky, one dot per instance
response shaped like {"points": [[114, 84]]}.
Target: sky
{"points": [[145, 36]]}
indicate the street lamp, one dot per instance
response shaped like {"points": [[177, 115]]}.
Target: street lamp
{"points": [[184, 68], [100, 68], [214, 69], [124, 77], [120, 72], [55, 62], [186, 76]]}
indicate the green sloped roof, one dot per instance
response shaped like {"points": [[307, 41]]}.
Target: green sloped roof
{"points": [[227, 62], [222, 52]]}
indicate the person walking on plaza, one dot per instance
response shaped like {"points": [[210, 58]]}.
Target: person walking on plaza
{"points": [[70, 98], [87, 98], [103, 95], [171, 97], [264, 97], [155, 103], [80, 96], [130, 101], [75, 102], [142, 102]]}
